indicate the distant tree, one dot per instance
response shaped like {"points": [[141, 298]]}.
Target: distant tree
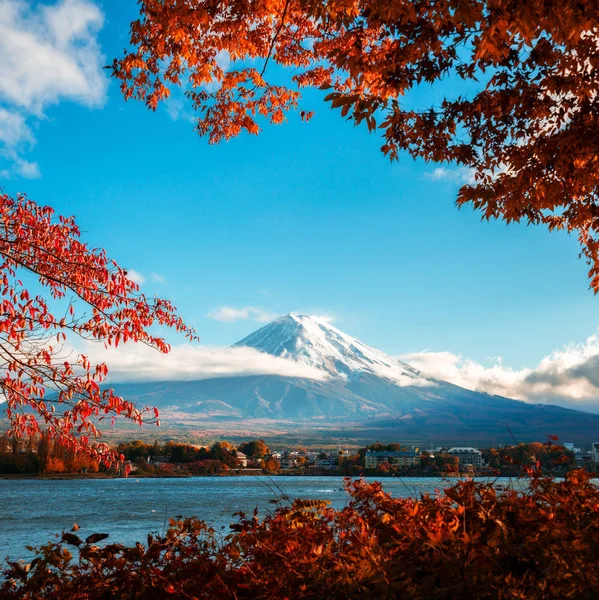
{"points": [[223, 451], [182, 453], [446, 462], [526, 132], [43, 387], [254, 449], [44, 449], [426, 459], [386, 467], [137, 449], [56, 465], [207, 467], [223, 445], [270, 465]]}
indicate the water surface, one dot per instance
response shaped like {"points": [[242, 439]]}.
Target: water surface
{"points": [[33, 510]]}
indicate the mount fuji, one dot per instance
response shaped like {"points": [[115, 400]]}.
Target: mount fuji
{"points": [[318, 344], [361, 393]]}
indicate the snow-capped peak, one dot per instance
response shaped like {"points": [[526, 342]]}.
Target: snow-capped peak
{"points": [[314, 341]]}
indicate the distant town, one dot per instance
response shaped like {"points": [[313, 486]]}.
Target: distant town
{"points": [[41, 456]]}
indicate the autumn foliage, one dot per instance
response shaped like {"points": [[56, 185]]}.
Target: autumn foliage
{"points": [[472, 541], [519, 111], [46, 385]]}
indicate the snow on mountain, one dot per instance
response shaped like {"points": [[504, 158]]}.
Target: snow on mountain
{"points": [[315, 342]]}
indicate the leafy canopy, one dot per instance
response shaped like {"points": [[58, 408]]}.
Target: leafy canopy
{"points": [[44, 385], [529, 135]]}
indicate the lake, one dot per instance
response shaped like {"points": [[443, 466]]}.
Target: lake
{"points": [[33, 510]]}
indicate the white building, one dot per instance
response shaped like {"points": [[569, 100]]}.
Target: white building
{"points": [[467, 456], [595, 452], [401, 458]]}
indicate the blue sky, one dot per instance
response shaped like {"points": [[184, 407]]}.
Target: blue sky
{"points": [[305, 217]]}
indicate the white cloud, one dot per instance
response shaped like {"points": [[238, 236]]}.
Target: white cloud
{"points": [[136, 276], [452, 174], [567, 377], [24, 168], [140, 278], [175, 108], [136, 362], [48, 53], [401, 378], [229, 314], [14, 129]]}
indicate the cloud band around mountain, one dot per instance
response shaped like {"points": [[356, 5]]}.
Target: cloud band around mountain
{"points": [[135, 362], [566, 377]]}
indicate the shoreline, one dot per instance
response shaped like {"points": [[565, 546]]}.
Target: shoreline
{"points": [[81, 476], [87, 476]]}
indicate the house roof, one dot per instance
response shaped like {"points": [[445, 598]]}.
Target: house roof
{"points": [[468, 450], [409, 453]]}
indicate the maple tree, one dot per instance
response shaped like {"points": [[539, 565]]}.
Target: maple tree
{"points": [[45, 386], [528, 134]]}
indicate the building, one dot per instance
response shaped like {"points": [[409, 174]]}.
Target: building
{"points": [[467, 456], [290, 460], [595, 452], [401, 458], [326, 461], [242, 458], [582, 458]]}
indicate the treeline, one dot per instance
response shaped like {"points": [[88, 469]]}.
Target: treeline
{"points": [[435, 464], [189, 459], [509, 461], [41, 454], [36, 455], [548, 457]]}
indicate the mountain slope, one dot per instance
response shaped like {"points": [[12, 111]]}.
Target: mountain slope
{"points": [[364, 393], [315, 342]]}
